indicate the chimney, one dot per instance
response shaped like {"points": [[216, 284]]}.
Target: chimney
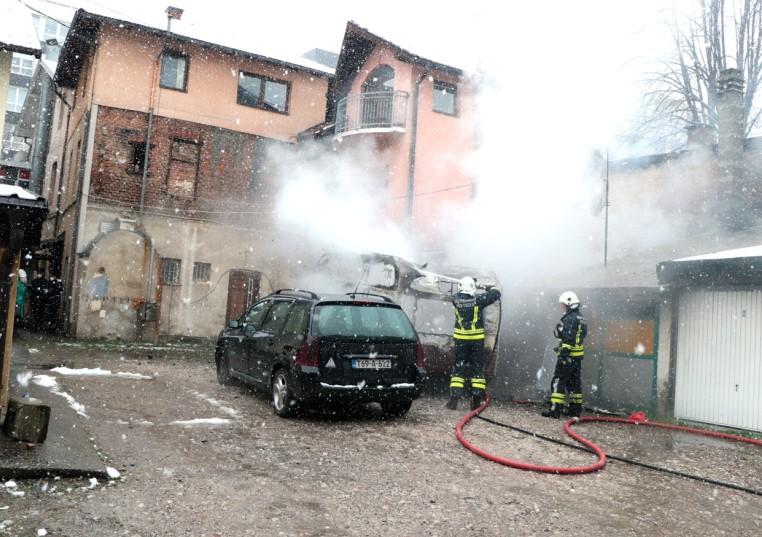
{"points": [[699, 137], [173, 13], [730, 142]]}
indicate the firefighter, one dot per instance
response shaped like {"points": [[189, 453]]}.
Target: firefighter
{"points": [[567, 378], [469, 342]]}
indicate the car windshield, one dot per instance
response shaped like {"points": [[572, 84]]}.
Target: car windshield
{"points": [[362, 321]]}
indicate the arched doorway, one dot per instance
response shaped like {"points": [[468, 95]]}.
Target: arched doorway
{"points": [[378, 90]]}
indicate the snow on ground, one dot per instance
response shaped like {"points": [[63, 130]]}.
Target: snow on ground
{"points": [[98, 372], [201, 421], [113, 473], [218, 404], [50, 382]]}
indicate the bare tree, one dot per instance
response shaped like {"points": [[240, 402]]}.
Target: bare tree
{"points": [[682, 93]]}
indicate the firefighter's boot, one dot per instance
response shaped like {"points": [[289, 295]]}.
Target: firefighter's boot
{"points": [[575, 410], [553, 412], [456, 388], [477, 400], [557, 401]]}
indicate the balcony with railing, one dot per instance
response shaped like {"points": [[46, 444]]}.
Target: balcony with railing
{"points": [[379, 111]]}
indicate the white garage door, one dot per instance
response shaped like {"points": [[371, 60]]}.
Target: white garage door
{"points": [[719, 358]]}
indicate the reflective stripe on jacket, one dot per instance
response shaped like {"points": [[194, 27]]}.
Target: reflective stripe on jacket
{"points": [[572, 331], [469, 314]]}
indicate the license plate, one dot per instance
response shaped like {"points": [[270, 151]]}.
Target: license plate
{"points": [[372, 364]]}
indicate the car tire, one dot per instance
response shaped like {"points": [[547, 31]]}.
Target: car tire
{"points": [[396, 408], [282, 398], [223, 369]]}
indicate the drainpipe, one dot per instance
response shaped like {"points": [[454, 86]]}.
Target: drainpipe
{"points": [[413, 137], [42, 134], [62, 167], [149, 133]]}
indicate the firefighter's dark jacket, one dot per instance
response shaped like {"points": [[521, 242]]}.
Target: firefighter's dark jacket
{"points": [[469, 314], [571, 331]]}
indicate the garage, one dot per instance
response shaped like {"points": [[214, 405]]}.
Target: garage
{"points": [[718, 371], [718, 337]]}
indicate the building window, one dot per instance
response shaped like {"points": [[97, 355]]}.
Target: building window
{"points": [[138, 157], [261, 92], [170, 271], [183, 168], [202, 272], [444, 99], [16, 96], [22, 65], [174, 71]]}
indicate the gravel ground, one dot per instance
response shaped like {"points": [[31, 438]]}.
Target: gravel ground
{"points": [[356, 473]]}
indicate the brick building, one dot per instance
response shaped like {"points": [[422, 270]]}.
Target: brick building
{"points": [[156, 172]]}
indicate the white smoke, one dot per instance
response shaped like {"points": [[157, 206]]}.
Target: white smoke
{"points": [[336, 200]]}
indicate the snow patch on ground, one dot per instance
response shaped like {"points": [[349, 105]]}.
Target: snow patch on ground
{"points": [[33, 351], [46, 381], [201, 421], [97, 372], [218, 404], [113, 473], [24, 378]]}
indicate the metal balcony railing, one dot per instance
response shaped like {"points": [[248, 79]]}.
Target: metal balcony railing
{"points": [[371, 111]]}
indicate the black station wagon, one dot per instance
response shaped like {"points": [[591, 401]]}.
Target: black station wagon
{"points": [[309, 350]]}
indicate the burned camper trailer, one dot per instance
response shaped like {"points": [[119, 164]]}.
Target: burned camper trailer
{"points": [[423, 294]]}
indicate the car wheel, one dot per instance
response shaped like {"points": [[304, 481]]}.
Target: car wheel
{"points": [[282, 400], [223, 369], [396, 408]]}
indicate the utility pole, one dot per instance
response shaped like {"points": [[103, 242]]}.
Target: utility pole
{"points": [[606, 215]]}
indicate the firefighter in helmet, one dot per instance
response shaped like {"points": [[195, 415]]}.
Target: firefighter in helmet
{"points": [[567, 378], [468, 338]]}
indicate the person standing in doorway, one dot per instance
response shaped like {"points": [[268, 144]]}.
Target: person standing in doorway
{"points": [[567, 378], [98, 289], [21, 296], [468, 336]]}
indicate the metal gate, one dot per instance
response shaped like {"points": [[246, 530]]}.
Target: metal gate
{"points": [[719, 358]]}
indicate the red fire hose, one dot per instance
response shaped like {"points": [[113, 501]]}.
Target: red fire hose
{"points": [[637, 418]]}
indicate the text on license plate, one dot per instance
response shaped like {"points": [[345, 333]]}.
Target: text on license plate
{"points": [[372, 364]]}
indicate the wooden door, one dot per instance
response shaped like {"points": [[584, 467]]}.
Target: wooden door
{"points": [[243, 292]]}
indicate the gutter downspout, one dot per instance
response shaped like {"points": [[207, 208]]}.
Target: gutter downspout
{"points": [[149, 134], [62, 168], [413, 139], [151, 250], [42, 134]]}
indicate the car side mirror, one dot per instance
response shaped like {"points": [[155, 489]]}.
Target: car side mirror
{"points": [[233, 323]]}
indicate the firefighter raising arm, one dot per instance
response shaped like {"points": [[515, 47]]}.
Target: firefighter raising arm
{"points": [[468, 338]]}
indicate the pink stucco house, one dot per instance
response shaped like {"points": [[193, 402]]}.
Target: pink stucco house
{"points": [[417, 114]]}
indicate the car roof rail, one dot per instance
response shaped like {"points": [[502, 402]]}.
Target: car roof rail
{"points": [[384, 298], [309, 293]]}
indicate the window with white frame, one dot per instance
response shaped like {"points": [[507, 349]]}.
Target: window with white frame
{"points": [[16, 96], [202, 272], [22, 65]]}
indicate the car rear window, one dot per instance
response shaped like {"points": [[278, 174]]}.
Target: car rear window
{"points": [[363, 321]]}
